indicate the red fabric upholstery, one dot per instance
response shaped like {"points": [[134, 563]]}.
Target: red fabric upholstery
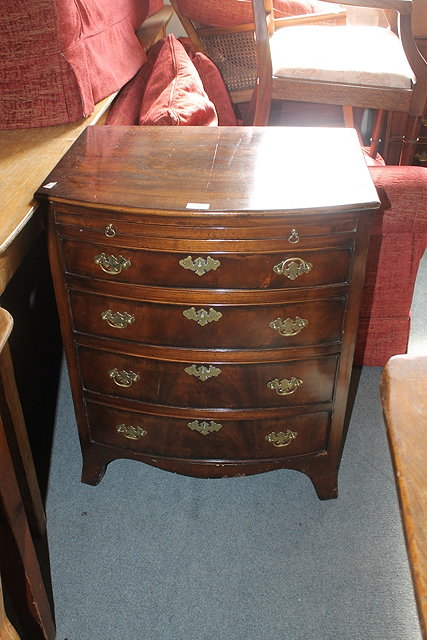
{"points": [[213, 85], [225, 13], [126, 109], [174, 94], [155, 5], [60, 57], [285, 8], [398, 241]]}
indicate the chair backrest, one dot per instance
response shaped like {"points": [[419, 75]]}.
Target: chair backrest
{"points": [[399, 14], [224, 31]]}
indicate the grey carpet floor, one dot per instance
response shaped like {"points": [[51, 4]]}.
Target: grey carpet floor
{"points": [[156, 556]]}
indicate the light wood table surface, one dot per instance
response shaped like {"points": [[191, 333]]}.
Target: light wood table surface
{"points": [[404, 398], [26, 157]]}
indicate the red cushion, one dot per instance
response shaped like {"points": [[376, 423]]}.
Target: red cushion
{"points": [[174, 94], [285, 8], [225, 13], [213, 84], [126, 108]]}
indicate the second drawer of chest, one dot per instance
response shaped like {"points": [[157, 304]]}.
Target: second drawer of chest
{"points": [[316, 322], [190, 384]]}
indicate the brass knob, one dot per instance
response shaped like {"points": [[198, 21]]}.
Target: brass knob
{"points": [[294, 237], [110, 231], [111, 264]]}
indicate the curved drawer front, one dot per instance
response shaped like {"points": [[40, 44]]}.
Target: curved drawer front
{"points": [[220, 327], [211, 438], [190, 384], [280, 270]]}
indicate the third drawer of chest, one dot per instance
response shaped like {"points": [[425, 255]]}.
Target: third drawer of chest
{"points": [[211, 384], [315, 322]]}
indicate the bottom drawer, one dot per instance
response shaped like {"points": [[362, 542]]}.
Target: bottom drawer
{"points": [[216, 438]]}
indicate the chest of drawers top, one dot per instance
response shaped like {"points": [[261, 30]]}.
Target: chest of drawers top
{"points": [[192, 172]]}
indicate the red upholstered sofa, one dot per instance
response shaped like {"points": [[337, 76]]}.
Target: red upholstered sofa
{"points": [[60, 57], [397, 244], [177, 89]]}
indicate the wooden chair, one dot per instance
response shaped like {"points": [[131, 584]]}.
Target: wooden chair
{"points": [[357, 66], [231, 46], [21, 514]]}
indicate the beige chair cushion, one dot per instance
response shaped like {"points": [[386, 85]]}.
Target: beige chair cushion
{"points": [[370, 56]]}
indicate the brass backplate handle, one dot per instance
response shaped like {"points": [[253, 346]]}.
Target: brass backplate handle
{"points": [[131, 432], [203, 372], [123, 378], [292, 268], [284, 387], [281, 439], [204, 427], [288, 327], [200, 265], [111, 264], [202, 317], [117, 320]]}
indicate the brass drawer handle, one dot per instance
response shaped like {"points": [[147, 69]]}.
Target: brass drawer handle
{"points": [[110, 231], [111, 264], [200, 266], [202, 372], [284, 387], [292, 268], [294, 237], [131, 432], [204, 427], [281, 439], [123, 378], [202, 317], [288, 327], [117, 320], [421, 156]]}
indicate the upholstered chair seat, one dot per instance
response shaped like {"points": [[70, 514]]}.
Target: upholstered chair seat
{"points": [[341, 55]]}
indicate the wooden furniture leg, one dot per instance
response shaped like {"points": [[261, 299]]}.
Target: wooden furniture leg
{"points": [[19, 563]]}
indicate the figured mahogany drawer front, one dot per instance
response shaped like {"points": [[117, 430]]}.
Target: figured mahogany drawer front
{"points": [[211, 438], [190, 384], [209, 326], [279, 270]]}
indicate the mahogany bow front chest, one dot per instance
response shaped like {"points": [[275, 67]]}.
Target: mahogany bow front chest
{"points": [[208, 283]]}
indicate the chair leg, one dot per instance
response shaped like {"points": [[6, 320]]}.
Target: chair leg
{"points": [[376, 132], [410, 140]]}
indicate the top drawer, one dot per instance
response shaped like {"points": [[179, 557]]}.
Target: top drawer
{"points": [[218, 270]]}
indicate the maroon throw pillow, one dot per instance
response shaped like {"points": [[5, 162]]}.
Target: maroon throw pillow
{"points": [[174, 94]]}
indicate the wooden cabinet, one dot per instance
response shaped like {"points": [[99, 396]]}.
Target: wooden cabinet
{"points": [[208, 283]]}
